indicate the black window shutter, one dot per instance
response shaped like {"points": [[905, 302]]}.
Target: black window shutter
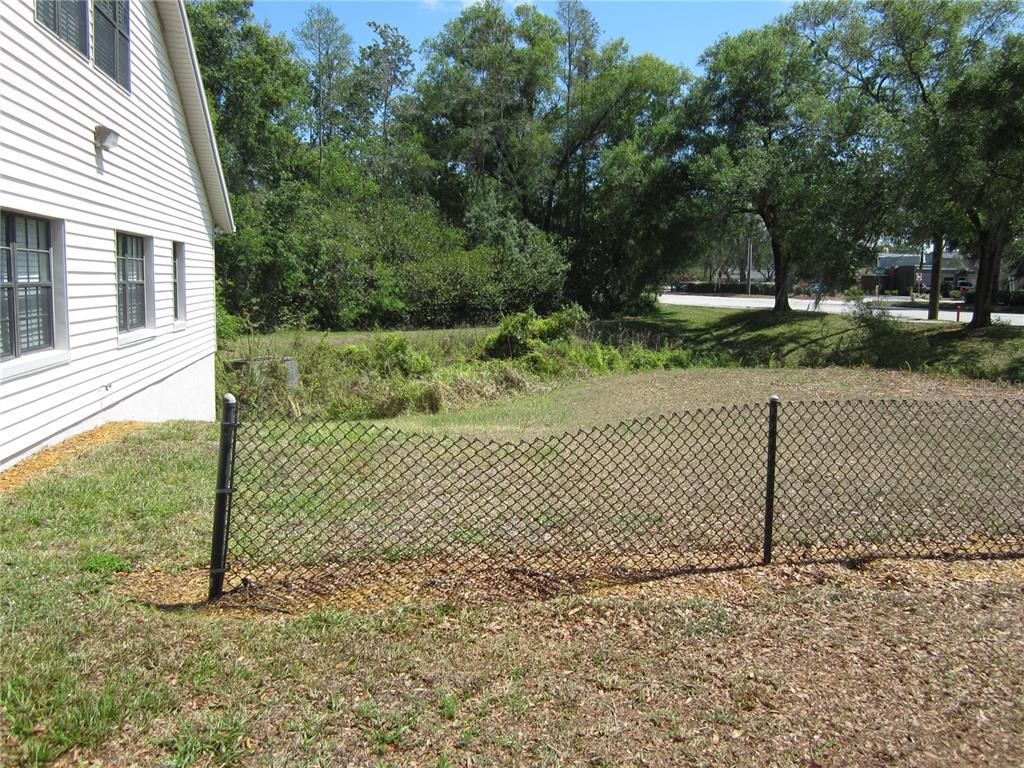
{"points": [[104, 42], [72, 24], [113, 50], [46, 12]]}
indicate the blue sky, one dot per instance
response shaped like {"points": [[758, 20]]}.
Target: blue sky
{"points": [[677, 31]]}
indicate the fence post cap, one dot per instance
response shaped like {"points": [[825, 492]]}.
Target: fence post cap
{"points": [[774, 399], [228, 399]]}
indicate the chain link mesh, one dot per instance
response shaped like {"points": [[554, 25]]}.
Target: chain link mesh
{"points": [[329, 506], [899, 478]]}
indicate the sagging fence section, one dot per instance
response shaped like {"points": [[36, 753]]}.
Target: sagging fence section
{"points": [[327, 505]]}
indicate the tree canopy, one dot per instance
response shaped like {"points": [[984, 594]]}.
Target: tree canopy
{"points": [[533, 160]]}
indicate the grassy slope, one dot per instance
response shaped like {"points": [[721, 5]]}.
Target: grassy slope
{"points": [[446, 343], [752, 337], [757, 337], [789, 666]]}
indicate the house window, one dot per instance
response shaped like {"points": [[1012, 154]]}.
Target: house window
{"points": [[178, 281], [110, 46], [26, 285], [131, 282], [69, 19]]}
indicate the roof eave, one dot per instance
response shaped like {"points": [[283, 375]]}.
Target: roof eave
{"points": [[185, 65]]}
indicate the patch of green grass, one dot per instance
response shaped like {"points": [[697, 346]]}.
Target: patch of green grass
{"points": [[216, 739], [104, 563], [448, 703]]}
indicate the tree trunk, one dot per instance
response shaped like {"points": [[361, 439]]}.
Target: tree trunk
{"points": [[781, 261], [984, 288], [936, 283]]}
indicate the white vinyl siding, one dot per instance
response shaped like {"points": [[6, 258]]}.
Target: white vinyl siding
{"points": [[51, 100]]}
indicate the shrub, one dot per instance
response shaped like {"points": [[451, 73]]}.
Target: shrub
{"points": [[229, 326], [640, 358], [450, 288], [525, 332], [598, 358], [392, 355], [878, 339], [512, 338], [529, 269], [560, 325]]}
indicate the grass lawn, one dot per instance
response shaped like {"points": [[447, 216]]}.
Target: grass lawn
{"points": [[897, 663], [448, 370], [757, 338]]}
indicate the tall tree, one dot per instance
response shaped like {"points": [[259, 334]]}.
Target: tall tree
{"points": [[984, 162], [907, 58], [254, 86], [764, 137], [328, 56], [480, 103], [383, 72]]}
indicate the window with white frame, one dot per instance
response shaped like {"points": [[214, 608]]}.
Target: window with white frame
{"points": [[26, 285], [132, 282], [178, 280]]}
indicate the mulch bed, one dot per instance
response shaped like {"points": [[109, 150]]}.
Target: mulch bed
{"points": [[41, 461], [296, 590]]}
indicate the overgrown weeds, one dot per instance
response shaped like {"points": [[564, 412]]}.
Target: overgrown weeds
{"points": [[389, 376]]}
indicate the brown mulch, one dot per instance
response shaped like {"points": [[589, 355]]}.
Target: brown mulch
{"points": [[41, 461], [296, 590]]}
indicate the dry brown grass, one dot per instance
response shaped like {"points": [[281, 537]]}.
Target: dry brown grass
{"points": [[893, 663], [911, 663]]}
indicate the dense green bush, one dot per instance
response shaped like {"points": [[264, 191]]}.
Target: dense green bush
{"points": [[878, 339], [448, 289], [524, 332], [229, 326], [392, 355]]}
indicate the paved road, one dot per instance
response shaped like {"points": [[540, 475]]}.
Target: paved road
{"points": [[831, 306]]}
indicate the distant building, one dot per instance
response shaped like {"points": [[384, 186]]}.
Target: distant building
{"points": [[904, 272]]}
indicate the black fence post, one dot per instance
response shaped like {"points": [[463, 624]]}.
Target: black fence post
{"points": [[769, 496], [222, 504]]}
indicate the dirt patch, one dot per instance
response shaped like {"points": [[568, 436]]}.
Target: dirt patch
{"points": [[39, 462]]}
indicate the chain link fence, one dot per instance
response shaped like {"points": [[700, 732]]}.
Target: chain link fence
{"points": [[343, 507]]}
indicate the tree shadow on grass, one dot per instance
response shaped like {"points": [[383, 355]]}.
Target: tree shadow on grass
{"points": [[996, 352], [761, 338], [749, 337]]}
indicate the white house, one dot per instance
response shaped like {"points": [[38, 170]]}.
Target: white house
{"points": [[111, 191]]}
